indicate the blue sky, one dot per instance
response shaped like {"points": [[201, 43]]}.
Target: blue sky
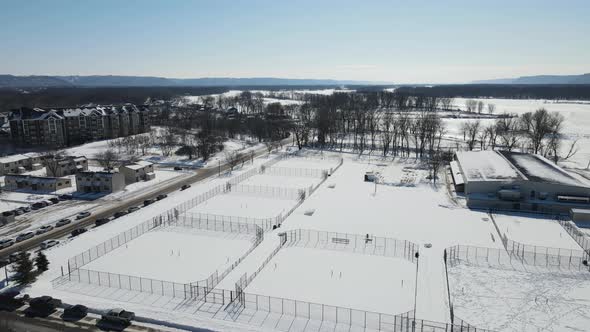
{"points": [[397, 41]]}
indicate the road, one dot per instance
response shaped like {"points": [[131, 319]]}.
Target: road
{"points": [[108, 209]]}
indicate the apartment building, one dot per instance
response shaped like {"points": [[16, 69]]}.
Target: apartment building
{"points": [[59, 127], [35, 183], [19, 163], [66, 166], [139, 171]]}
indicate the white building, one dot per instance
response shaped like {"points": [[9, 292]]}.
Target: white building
{"points": [[99, 182], [517, 181], [139, 171], [35, 183], [19, 163]]}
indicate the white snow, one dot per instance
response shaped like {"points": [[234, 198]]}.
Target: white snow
{"points": [[363, 282], [244, 206], [486, 165], [175, 254], [282, 181]]}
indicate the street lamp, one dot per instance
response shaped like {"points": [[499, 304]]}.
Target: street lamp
{"points": [[417, 255]]}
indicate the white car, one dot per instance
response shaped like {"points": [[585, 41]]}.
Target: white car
{"points": [[6, 243], [49, 243], [24, 236], [44, 229]]}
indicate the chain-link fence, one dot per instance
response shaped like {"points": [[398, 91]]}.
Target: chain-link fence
{"points": [[268, 191], [296, 172], [363, 244], [580, 237]]}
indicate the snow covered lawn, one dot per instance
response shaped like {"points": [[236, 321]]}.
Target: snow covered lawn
{"points": [[504, 300], [363, 282], [282, 181], [535, 231], [314, 162], [174, 254]]}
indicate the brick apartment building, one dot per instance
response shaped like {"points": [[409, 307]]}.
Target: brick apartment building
{"points": [[60, 127]]}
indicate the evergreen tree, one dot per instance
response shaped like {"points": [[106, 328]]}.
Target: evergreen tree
{"points": [[41, 262], [24, 269]]}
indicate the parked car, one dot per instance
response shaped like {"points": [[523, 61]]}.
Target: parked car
{"points": [[42, 306], [177, 168], [44, 229], [24, 236], [148, 201], [119, 316], [65, 197], [38, 205], [82, 215], [75, 312], [78, 231], [62, 222], [18, 212], [9, 301], [48, 203], [25, 208], [101, 221], [49, 243], [185, 186], [54, 200], [120, 214], [161, 197], [133, 209], [5, 243]]}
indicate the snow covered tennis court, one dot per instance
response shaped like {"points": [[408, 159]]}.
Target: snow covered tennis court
{"points": [[535, 231], [343, 279], [240, 205], [295, 182], [175, 254]]}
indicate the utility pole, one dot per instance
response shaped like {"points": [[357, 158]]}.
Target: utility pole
{"points": [[417, 255], [219, 168]]}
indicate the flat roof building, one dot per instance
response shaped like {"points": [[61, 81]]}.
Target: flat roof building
{"points": [[517, 181]]}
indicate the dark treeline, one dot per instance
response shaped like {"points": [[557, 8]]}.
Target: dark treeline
{"points": [[553, 92]]}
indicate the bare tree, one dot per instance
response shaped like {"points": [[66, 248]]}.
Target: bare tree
{"points": [[51, 159], [233, 158], [108, 159], [491, 108], [480, 106], [473, 129]]}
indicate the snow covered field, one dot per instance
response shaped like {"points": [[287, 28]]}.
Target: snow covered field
{"points": [[364, 282], [175, 254], [282, 181], [505, 300], [244, 206], [535, 231]]}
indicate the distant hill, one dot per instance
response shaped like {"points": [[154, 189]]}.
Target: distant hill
{"points": [[541, 79], [10, 81]]}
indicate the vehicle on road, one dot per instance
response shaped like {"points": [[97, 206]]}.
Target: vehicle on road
{"points": [[18, 212], [38, 205], [44, 229], [48, 203], [148, 201], [25, 208], [5, 243], [65, 197], [119, 316], [133, 209], [62, 222], [49, 243], [120, 214], [54, 200], [101, 221], [83, 215], [161, 197], [75, 313], [24, 236], [79, 231], [185, 186], [177, 168]]}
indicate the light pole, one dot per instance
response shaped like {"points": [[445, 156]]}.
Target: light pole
{"points": [[417, 255], [219, 168]]}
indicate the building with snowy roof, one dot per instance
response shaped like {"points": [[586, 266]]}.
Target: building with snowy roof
{"points": [[517, 181], [139, 171], [99, 182], [35, 183]]}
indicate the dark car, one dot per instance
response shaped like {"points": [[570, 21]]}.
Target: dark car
{"points": [[101, 221], [62, 222], [9, 302], [65, 197], [133, 209], [38, 205], [25, 208], [42, 306], [78, 231], [18, 212], [148, 201], [83, 215], [75, 313], [177, 168], [54, 200], [120, 214], [185, 186], [161, 197]]}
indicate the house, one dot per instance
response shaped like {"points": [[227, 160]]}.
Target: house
{"points": [[99, 182], [517, 181], [35, 183], [139, 171], [67, 166]]}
